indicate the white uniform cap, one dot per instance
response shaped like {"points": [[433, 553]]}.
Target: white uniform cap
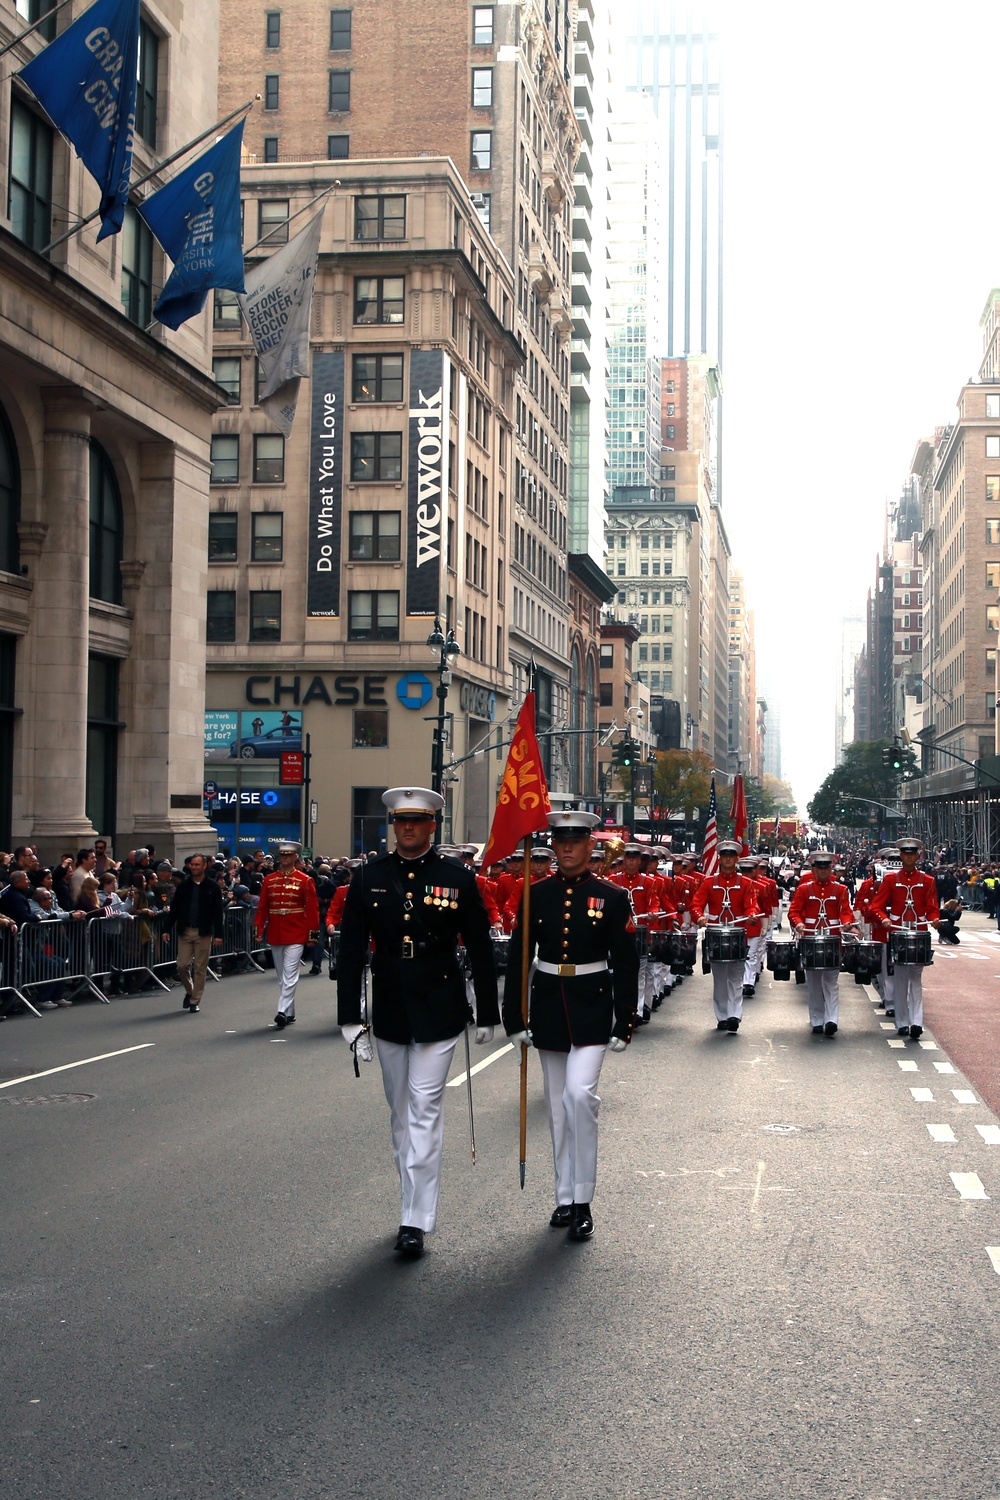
{"points": [[412, 799], [908, 843], [729, 846], [289, 846], [573, 820]]}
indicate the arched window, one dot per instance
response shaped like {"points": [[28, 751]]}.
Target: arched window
{"points": [[105, 529], [10, 498]]}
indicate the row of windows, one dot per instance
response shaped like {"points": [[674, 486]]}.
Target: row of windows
{"points": [[377, 299], [373, 536], [374, 378], [338, 147], [338, 91], [372, 615], [376, 457], [340, 30], [658, 540], [647, 570]]}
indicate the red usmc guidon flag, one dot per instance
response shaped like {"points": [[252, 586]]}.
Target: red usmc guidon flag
{"points": [[523, 803]]}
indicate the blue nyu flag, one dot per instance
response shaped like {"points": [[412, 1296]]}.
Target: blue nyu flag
{"points": [[197, 220], [85, 81]]}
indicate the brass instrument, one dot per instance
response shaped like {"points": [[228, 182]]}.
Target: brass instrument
{"points": [[612, 849]]}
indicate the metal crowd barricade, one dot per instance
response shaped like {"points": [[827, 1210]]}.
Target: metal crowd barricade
{"points": [[237, 940], [125, 944], [10, 974], [53, 954]]}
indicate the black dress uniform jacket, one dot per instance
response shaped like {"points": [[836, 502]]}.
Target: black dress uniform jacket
{"points": [[578, 920], [429, 901]]}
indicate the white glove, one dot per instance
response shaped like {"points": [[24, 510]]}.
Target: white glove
{"points": [[616, 1044], [520, 1039], [363, 1051], [484, 1034]]}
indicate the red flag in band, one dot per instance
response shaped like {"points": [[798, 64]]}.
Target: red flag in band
{"points": [[523, 803], [740, 815]]}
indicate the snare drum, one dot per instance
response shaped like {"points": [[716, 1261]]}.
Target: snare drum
{"points": [[869, 958], [685, 951], [819, 950], [849, 957], [726, 945], [907, 946], [642, 940], [500, 949], [782, 956]]}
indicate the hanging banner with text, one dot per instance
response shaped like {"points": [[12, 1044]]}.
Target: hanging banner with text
{"points": [[326, 484], [427, 482]]}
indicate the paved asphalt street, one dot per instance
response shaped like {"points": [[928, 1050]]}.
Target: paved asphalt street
{"points": [[789, 1293]]}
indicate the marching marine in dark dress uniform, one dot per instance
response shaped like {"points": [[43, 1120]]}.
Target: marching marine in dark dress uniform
{"points": [[414, 903], [582, 1001]]}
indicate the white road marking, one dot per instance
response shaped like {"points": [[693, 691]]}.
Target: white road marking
{"points": [[453, 1083], [898, 1041], [941, 1133], [928, 1046], [887, 1025], [990, 1134], [993, 1251], [944, 1067], [968, 1186], [923, 1096], [10, 1083], [909, 1067], [983, 958], [965, 1096]]}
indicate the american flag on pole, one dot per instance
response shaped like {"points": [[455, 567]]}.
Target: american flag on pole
{"points": [[710, 849]]}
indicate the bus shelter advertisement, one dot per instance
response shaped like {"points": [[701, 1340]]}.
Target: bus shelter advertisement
{"points": [[245, 805]]}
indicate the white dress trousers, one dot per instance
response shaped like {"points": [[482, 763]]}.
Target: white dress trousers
{"points": [[823, 995], [413, 1077], [908, 994], [727, 990], [754, 962], [572, 1101], [287, 957]]}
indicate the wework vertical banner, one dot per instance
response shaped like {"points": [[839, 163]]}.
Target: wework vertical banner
{"points": [[427, 487], [326, 484]]}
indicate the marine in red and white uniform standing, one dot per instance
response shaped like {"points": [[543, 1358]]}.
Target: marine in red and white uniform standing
{"points": [[906, 899], [723, 900], [288, 913], [646, 905]]}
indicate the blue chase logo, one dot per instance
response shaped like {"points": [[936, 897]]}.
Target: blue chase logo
{"points": [[415, 690]]}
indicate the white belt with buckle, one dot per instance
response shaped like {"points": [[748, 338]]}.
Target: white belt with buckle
{"points": [[569, 971]]}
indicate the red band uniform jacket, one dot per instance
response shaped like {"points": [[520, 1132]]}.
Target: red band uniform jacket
{"points": [[428, 901], [904, 900], [821, 907], [288, 908], [724, 898], [577, 920]]}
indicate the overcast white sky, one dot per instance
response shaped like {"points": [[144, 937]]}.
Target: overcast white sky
{"points": [[862, 202]]}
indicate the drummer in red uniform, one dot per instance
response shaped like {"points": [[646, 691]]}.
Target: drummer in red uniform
{"points": [[645, 906], [289, 911], [724, 900], [906, 900], [821, 905]]}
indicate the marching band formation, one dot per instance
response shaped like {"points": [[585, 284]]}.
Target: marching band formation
{"points": [[610, 931]]}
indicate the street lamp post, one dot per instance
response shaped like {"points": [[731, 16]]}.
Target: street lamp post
{"points": [[448, 647]]}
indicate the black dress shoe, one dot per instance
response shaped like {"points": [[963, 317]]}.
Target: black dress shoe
{"points": [[733, 1024], [902, 1030], [830, 1028], [916, 1031], [187, 1002], [722, 1025], [817, 1031], [562, 1216], [748, 992], [582, 1226], [890, 1012], [410, 1242], [289, 1020], [314, 970], [281, 1020]]}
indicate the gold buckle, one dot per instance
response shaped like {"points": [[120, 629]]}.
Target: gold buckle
{"points": [[407, 947], [567, 971]]}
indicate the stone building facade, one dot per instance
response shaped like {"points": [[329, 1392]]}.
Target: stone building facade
{"points": [[104, 466], [331, 553]]}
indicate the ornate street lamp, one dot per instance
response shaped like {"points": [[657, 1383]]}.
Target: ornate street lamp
{"points": [[448, 647]]}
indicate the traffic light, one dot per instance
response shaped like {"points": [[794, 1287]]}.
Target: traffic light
{"points": [[892, 756], [625, 754], [887, 756]]}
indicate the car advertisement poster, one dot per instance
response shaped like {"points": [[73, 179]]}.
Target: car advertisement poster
{"points": [[261, 734]]}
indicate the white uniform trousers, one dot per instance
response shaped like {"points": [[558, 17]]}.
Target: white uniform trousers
{"points": [[886, 984], [572, 1101], [287, 957], [727, 990], [908, 994], [413, 1077], [754, 962], [823, 995]]}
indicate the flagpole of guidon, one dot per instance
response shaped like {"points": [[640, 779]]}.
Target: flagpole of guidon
{"points": [[525, 956]]}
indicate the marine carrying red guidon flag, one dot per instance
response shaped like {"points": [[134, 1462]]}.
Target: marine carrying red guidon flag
{"points": [[523, 804], [739, 811]]}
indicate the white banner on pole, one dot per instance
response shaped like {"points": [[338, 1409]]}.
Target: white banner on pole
{"points": [[277, 307]]}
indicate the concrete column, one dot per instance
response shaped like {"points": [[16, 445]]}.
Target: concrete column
{"points": [[60, 609]]}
